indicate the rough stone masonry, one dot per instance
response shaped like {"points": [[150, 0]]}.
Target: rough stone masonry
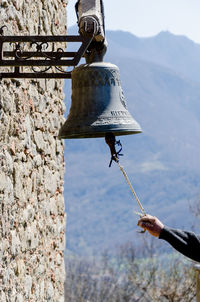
{"points": [[32, 219]]}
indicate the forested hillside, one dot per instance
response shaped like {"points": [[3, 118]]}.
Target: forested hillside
{"points": [[160, 78]]}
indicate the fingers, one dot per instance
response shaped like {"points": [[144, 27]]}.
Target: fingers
{"points": [[146, 220], [151, 224], [145, 224]]}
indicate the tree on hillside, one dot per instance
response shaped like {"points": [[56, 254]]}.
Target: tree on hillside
{"points": [[126, 278]]}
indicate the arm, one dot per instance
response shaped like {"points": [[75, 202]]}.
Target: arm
{"points": [[186, 243]]}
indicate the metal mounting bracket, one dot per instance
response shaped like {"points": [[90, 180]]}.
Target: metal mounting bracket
{"points": [[41, 56]]}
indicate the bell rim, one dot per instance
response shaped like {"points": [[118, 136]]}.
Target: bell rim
{"points": [[98, 133]]}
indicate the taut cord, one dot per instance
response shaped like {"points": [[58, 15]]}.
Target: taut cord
{"points": [[131, 187], [110, 140]]}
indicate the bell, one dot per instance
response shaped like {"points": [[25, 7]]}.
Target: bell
{"points": [[98, 105]]}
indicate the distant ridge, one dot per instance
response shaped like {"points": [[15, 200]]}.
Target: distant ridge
{"points": [[175, 52]]}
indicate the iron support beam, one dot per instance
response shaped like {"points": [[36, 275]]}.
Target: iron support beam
{"points": [[31, 75], [41, 57], [42, 39]]}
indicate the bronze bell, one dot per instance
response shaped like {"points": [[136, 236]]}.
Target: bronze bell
{"points": [[98, 105]]}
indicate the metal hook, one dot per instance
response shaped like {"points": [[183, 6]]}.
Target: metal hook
{"points": [[1, 29]]}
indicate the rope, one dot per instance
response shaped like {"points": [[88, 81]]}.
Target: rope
{"points": [[111, 142], [132, 190]]}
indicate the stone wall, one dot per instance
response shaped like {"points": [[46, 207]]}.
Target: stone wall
{"points": [[32, 220]]}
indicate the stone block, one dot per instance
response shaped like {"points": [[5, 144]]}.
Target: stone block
{"points": [[15, 243], [37, 160], [27, 286], [50, 291], [50, 181], [3, 181], [20, 268], [19, 298], [39, 140]]}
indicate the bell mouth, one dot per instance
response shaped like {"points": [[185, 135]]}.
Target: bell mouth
{"points": [[97, 132]]}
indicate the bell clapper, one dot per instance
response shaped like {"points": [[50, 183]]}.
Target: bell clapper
{"points": [[111, 141]]}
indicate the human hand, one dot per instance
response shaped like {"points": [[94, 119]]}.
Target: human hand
{"points": [[152, 224]]}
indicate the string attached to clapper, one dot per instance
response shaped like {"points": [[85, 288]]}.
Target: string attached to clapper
{"points": [[111, 141]]}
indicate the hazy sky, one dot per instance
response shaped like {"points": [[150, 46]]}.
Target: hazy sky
{"points": [[148, 17]]}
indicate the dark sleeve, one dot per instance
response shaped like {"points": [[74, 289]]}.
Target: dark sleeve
{"points": [[187, 243]]}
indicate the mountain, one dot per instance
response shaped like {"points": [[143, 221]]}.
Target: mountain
{"points": [[161, 85], [175, 52]]}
